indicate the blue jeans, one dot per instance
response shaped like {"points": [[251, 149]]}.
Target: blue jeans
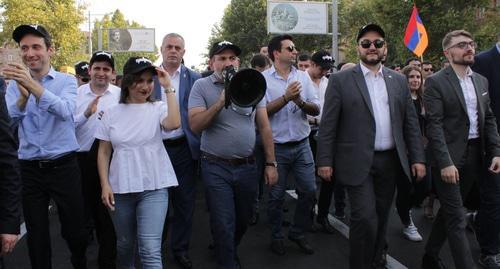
{"points": [[298, 159], [140, 216], [231, 194]]}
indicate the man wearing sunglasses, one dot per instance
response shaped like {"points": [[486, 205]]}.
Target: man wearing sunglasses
{"points": [[427, 69], [465, 148], [290, 97], [368, 136], [92, 99], [82, 73]]}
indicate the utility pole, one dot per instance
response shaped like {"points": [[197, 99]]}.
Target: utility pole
{"points": [[335, 30]]}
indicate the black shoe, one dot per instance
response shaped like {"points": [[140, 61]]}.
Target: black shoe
{"points": [[325, 225], [302, 243], [184, 261], [255, 218], [339, 214], [429, 262], [278, 247]]}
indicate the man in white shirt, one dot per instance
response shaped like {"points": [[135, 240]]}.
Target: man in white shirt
{"points": [[290, 98], [93, 98]]}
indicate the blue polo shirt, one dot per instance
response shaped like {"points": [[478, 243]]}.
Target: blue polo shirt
{"points": [[46, 126]]}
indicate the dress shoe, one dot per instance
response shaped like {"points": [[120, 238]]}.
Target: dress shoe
{"points": [[184, 261], [325, 225], [429, 262], [302, 243], [278, 247]]}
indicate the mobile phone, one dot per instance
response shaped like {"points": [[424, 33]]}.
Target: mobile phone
{"points": [[9, 55]]}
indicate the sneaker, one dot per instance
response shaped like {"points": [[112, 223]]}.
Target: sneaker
{"points": [[490, 261], [410, 232]]}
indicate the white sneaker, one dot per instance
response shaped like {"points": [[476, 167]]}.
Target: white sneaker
{"points": [[411, 233]]}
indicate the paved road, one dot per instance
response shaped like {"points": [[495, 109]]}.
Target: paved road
{"points": [[331, 250]]}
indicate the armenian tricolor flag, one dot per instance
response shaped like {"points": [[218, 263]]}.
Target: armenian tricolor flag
{"points": [[415, 36]]}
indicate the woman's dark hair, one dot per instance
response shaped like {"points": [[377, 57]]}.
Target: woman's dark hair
{"points": [[128, 81], [407, 70]]}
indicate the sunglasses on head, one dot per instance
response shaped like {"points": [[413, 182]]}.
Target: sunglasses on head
{"points": [[379, 43], [291, 48]]}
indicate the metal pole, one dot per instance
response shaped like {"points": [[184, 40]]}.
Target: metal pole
{"points": [[335, 31], [99, 39], [90, 35]]}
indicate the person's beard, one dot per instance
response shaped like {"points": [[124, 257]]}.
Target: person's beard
{"points": [[364, 59], [462, 60]]}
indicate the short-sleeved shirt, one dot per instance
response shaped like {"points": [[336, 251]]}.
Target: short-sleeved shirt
{"points": [[140, 161], [232, 132], [290, 122]]}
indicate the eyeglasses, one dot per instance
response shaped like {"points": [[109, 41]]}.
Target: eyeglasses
{"points": [[291, 48], [428, 69], [85, 79], [464, 45], [379, 43]]}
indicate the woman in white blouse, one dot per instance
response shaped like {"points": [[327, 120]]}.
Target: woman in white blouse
{"points": [[134, 186]]}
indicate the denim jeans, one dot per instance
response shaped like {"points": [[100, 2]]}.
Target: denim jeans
{"points": [[140, 216], [298, 159], [231, 193]]}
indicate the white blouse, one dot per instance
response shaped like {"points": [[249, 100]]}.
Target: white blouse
{"points": [[140, 161]]}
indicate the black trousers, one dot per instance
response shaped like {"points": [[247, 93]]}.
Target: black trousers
{"points": [[370, 206], [61, 183], [95, 209], [450, 220], [325, 197]]}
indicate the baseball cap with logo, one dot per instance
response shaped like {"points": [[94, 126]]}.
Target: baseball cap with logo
{"points": [[25, 29], [82, 69], [103, 56], [323, 59], [136, 65], [370, 28], [218, 47]]}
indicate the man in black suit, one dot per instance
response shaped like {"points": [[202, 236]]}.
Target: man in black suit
{"points": [[487, 63], [10, 183], [463, 140], [368, 136]]}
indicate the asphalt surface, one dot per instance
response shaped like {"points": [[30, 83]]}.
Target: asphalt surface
{"points": [[331, 250]]}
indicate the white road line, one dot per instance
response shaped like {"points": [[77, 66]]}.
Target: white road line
{"points": [[344, 230]]}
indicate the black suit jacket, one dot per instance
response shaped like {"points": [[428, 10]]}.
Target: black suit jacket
{"points": [[487, 63], [448, 122], [346, 136], [10, 182]]}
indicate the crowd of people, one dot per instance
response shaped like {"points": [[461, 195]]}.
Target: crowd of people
{"points": [[114, 159]]}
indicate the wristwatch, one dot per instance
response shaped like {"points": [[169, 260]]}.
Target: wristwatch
{"points": [[169, 90], [275, 164]]}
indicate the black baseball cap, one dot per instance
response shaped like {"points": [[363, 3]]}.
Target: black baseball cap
{"points": [[82, 69], [323, 59], [25, 29], [218, 47], [136, 65], [103, 56], [370, 28]]}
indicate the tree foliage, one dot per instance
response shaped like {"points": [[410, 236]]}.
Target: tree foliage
{"points": [[117, 20], [244, 23], [60, 17]]}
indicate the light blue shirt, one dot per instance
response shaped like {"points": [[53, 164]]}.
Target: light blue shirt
{"points": [[46, 126], [290, 122]]}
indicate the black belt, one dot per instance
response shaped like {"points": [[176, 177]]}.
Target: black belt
{"points": [[292, 143], [175, 142], [43, 164], [233, 161]]}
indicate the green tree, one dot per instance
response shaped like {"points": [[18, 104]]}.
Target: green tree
{"points": [[244, 24], [60, 17], [116, 19]]}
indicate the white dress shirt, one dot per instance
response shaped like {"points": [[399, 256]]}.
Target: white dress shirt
{"points": [[381, 111], [86, 127], [321, 90], [175, 80], [471, 102]]}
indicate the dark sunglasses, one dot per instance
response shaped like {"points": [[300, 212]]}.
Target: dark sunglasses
{"points": [[463, 45], [367, 43], [291, 48], [85, 79], [428, 69]]}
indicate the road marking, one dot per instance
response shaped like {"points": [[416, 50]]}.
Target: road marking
{"points": [[344, 230]]}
